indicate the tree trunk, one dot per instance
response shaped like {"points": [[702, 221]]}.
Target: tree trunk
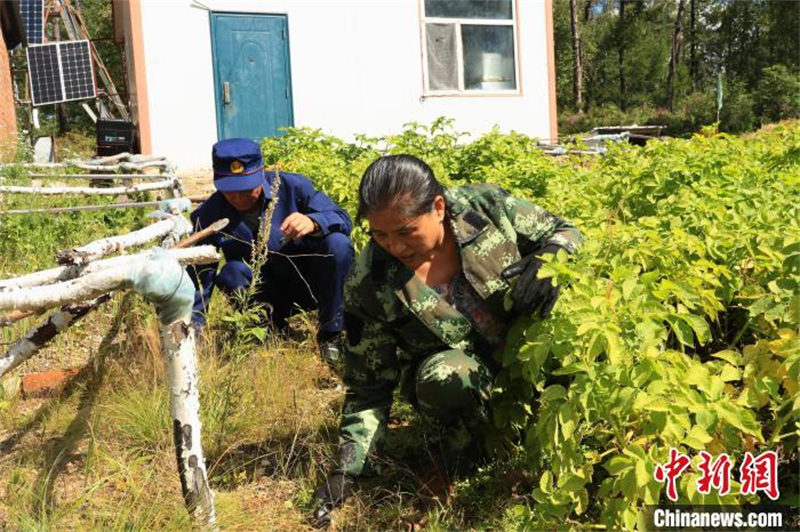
{"points": [[46, 331], [577, 73], [621, 37], [83, 288], [166, 184], [587, 10], [190, 256], [174, 225], [693, 68], [178, 344], [677, 37]]}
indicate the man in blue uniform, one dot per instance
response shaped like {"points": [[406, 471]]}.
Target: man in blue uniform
{"points": [[310, 250]]}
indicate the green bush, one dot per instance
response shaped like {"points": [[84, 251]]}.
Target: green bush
{"points": [[737, 114], [778, 95]]}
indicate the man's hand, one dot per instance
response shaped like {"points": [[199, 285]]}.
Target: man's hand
{"points": [[531, 294], [331, 495], [297, 225]]}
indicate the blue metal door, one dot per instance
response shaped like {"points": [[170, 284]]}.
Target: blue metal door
{"points": [[251, 75]]}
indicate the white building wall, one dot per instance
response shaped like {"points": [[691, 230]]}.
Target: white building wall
{"points": [[356, 67]]}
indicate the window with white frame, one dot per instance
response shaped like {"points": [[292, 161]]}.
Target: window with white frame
{"points": [[470, 45]]}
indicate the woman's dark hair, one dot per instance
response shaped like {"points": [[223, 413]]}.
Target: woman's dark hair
{"points": [[401, 181]]}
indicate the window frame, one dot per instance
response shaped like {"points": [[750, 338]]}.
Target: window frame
{"points": [[513, 23]]}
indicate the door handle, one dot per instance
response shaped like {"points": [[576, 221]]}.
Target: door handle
{"points": [[226, 92]]}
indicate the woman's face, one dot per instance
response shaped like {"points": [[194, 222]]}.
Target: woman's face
{"points": [[411, 240]]}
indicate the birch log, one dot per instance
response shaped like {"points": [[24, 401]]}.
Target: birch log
{"points": [[92, 191], [157, 284], [76, 290], [102, 177], [46, 331], [189, 256], [212, 229], [84, 208], [172, 225]]}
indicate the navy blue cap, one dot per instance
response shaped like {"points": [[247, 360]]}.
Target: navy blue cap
{"points": [[238, 165]]}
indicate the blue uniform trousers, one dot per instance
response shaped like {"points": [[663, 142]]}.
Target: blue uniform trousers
{"points": [[308, 273]]}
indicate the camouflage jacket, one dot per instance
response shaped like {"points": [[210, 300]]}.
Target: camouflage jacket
{"points": [[394, 320]]}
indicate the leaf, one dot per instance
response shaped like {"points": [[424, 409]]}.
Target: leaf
{"points": [[613, 349], [571, 369], [682, 330], [628, 485], [734, 357], [568, 420], [741, 419], [596, 345], [642, 475], [617, 464], [699, 326], [552, 393], [572, 483], [546, 482], [730, 373], [697, 438]]}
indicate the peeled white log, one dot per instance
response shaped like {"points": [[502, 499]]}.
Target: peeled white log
{"points": [[101, 177], [46, 331], [83, 208], [92, 191], [179, 348], [75, 290], [177, 226], [156, 282], [188, 256]]}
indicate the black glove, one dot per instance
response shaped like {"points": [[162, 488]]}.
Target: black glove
{"points": [[531, 294], [331, 495]]}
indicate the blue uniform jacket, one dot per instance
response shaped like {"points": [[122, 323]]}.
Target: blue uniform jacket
{"points": [[295, 194]]}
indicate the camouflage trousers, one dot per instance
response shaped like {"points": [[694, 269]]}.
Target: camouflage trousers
{"points": [[452, 390]]}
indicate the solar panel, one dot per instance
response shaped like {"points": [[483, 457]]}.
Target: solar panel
{"points": [[45, 74], [61, 72], [33, 19], [76, 66]]}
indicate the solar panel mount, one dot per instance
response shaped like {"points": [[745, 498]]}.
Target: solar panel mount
{"points": [[61, 72]]}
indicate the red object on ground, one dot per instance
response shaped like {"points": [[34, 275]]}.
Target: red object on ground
{"points": [[46, 382]]}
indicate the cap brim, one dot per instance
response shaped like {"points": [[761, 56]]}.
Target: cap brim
{"points": [[238, 183]]}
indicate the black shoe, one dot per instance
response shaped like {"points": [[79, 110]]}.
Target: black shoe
{"points": [[330, 350]]}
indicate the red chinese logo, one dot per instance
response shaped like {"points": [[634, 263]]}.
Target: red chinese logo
{"points": [[755, 473], [760, 474], [671, 471], [716, 474]]}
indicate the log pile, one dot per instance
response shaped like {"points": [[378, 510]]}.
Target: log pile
{"points": [[85, 280]]}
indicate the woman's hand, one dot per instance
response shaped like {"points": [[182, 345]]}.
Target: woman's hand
{"points": [[297, 225], [531, 294]]}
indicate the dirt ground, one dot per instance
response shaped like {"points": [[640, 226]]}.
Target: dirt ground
{"points": [[197, 183]]}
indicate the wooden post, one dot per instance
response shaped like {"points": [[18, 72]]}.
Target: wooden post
{"points": [[195, 255], [46, 331]]}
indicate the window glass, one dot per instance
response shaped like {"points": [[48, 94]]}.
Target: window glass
{"points": [[442, 62], [494, 9], [488, 57]]}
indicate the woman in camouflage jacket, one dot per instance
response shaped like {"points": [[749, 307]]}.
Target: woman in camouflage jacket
{"points": [[424, 305]]}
